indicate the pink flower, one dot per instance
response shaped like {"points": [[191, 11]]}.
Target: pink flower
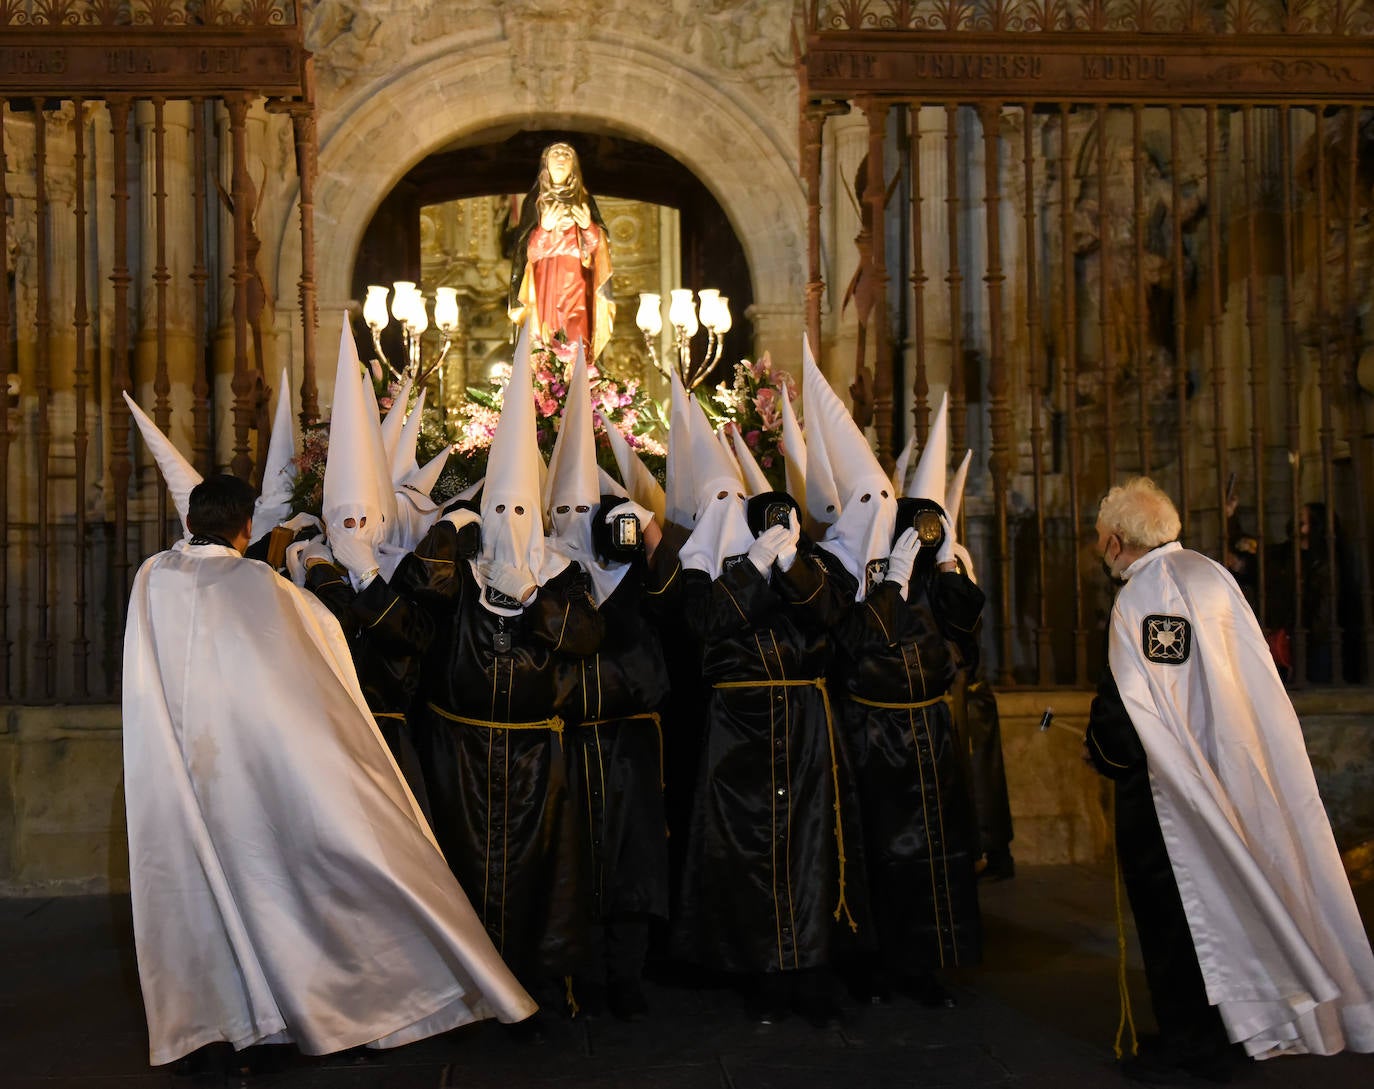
{"points": [[766, 461], [752, 437]]}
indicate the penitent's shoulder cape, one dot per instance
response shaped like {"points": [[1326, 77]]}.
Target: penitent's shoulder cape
{"points": [[1279, 939], [285, 885]]}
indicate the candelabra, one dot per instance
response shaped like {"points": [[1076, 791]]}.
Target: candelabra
{"points": [[685, 319], [410, 311]]}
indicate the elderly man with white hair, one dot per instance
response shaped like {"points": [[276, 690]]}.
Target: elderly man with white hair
{"points": [[1248, 928]]}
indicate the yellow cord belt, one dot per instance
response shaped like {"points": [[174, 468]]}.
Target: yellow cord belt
{"points": [[914, 705], [553, 722], [817, 683], [653, 716]]}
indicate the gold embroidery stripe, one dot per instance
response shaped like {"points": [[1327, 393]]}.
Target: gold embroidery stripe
{"points": [[911, 706]]}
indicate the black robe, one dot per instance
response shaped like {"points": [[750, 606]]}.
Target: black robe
{"points": [[615, 754], [497, 782], [1188, 1024], [387, 638], [762, 883], [920, 835]]}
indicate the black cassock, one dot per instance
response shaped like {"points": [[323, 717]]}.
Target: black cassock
{"points": [[920, 837], [762, 880], [491, 741], [615, 752], [387, 638]]}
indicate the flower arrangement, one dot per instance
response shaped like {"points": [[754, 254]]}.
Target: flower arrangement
{"points": [[753, 403], [626, 405]]}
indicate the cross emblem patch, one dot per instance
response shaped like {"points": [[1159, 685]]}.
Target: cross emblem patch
{"points": [[1166, 639]]}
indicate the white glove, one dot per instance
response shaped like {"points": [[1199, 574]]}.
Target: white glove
{"points": [[902, 559], [507, 580], [358, 553], [300, 553], [766, 547], [945, 553], [302, 521], [787, 555], [629, 506], [461, 517]]}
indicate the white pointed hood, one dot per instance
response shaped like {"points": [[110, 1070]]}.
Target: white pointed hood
{"points": [[416, 510], [374, 416], [394, 421], [573, 491], [903, 466], [861, 537], [638, 481], [956, 489], [171, 462], [822, 495], [722, 528], [680, 494], [793, 452], [512, 522], [610, 485], [273, 506], [356, 483], [403, 462], [928, 481], [755, 483], [723, 437]]}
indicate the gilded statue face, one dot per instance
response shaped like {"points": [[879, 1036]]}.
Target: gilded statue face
{"points": [[559, 160]]}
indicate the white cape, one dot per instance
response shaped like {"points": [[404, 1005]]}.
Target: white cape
{"points": [[1283, 953], [285, 886]]}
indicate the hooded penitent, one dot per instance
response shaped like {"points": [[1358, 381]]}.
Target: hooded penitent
{"points": [[573, 491], [862, 535], [822, 494], [928, 479], [394, 422], [794, 453], [721, 531], [956, 502], [639, 482], [357, 485], [899, 470], [755, 483], [680, 493], [512, 524], [175, 469], [273, 506], [415, 510]]}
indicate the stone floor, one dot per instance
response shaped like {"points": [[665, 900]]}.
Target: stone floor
{"points": [[1040, 1013]]}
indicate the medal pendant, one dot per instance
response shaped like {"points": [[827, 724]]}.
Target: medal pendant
{"points": [[501, 642]]}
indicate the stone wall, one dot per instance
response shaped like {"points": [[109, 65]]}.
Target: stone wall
{"points": [[62, 795]]}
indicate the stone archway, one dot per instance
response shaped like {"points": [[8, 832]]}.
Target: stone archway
{"points": [[381, 131]]}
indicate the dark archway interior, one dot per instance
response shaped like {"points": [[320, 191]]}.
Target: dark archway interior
{"points": [[612, 166]]}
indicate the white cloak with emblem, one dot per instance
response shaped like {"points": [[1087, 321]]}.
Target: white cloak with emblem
{"points": [[1278, 937], [285, 885]]}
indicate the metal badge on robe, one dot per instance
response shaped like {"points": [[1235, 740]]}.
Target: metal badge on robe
{"points": [[1166, 639], [874, 573]]}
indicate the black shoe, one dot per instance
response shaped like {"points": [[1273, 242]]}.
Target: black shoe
{"points": [[1158, 1063], [530, 1032], [819, 1007], [626, 1000]]}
